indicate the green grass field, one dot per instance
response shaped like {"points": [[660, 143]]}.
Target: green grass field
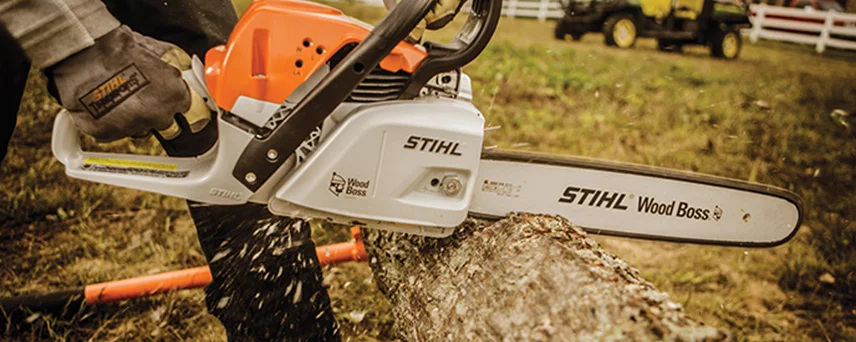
{"points": [[780, 115]]}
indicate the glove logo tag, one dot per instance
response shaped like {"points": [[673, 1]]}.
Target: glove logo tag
{"points": [[114, 91]]}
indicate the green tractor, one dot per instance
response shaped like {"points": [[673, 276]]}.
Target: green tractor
{"points": [[674, 23]]}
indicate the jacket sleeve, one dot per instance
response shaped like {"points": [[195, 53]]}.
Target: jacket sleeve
{"points": [[51, 30]]}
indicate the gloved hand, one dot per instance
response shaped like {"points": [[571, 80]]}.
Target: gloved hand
{"points": [[439, 16], [126, 85]]}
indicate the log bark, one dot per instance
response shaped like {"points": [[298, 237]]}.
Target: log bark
{"points": [[525, 277]]}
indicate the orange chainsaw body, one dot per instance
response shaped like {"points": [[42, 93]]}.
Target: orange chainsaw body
{"points": [[278, 44]]}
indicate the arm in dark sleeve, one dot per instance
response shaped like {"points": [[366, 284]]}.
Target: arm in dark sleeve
{"points": [[50, 30]]}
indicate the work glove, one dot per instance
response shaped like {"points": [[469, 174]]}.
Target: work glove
{"points": [[438, 17], [128, 85]]}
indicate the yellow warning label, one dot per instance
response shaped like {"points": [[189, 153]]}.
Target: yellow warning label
{"points": [[135, 164]]}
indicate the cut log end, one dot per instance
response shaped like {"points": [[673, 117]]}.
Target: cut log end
{"points": [[525, 277]]}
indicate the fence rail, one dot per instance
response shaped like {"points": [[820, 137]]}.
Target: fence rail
{"points": [[542, 10], [819, 28], [539, 9]]}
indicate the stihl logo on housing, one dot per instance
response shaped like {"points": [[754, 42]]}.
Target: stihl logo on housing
{"points": [[114, 91], [594, 198], [433, 145]]}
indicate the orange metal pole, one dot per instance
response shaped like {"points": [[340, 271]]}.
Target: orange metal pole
{"points": [[201, 276], [112, 291], [342, 252]]}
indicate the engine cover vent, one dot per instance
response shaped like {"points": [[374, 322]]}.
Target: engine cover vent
{"points": [[380, 85]]}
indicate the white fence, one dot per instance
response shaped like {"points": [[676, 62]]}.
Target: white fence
{"points": [[541, 9], [818, 28]]}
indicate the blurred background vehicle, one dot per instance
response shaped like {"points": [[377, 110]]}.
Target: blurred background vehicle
{"points": [[714, 23]]}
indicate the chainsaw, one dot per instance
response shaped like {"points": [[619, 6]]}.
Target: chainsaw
{"points": [[321, 116]]}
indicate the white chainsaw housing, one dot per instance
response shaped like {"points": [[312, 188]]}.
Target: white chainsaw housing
{"points": [[384, 167]]}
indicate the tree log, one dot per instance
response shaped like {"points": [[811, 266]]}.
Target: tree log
{"points": [[525, 277]]}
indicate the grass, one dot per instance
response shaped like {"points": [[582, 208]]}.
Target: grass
{"points": [[769, 117]]}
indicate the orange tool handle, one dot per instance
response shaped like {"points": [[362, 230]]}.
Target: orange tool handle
{"points": [[112, 291], [201, 276], [190, 278]]}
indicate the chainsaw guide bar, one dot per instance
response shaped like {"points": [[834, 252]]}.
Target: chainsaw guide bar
{"points": [[630, 200]]}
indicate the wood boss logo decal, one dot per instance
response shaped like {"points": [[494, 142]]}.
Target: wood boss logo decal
{"points": [[646, 205], [111, 93], [349, 186]]}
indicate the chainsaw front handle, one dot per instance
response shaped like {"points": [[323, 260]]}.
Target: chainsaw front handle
{"points": [[467, 45]]}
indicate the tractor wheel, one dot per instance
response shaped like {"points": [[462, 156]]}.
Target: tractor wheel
{"points": [[726, 44], [559, 33], [620, 30]]}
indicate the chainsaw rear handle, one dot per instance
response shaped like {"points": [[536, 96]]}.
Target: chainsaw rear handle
{"points": [[467, 45], [203, 178], [254, 168]]}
